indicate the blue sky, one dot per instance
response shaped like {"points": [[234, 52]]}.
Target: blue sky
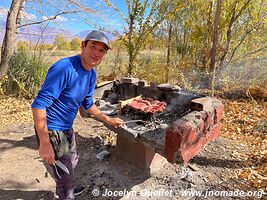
{"points": [[74, 23]]}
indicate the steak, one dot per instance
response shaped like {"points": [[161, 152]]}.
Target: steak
{"points": [[148, 105]]}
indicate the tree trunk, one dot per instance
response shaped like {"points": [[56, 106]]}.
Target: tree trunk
{"points": [[215, 36], [130, 47], [168, 54], [10, 37], [184, 43], [131, 65], [215, 42]]}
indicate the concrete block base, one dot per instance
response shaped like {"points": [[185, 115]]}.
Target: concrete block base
{"points": [[134, 151]]}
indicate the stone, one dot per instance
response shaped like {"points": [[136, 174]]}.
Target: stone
{"points": [[214, 132], [193, 167], [200, 104], [142, 83], [176, 136], [101, 88], [168, 87], [187, 136], [129, 80], [219, 108], [103, 155], [138, 153]]}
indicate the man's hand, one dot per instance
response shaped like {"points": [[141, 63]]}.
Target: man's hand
{"points": [[116, 122], [46, 152]]}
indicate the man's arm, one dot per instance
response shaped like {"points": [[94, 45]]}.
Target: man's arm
{"points": [[94, 110], [46, 150]]}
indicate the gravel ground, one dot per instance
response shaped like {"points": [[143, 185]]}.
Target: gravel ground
{"points": [[23, 175]]}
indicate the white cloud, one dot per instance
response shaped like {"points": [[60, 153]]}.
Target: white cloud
{"points": [[3, 14], [74, 19], [28, 16], [25, 16], [58, 19], [112, 23]]}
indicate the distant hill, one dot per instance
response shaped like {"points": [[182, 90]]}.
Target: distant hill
{"points": [[34, 34], [82, 34]]}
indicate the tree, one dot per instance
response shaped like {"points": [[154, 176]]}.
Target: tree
{"points": [[170, 24], [207, 43], [168, 53], [75, 44], [61, 42], [14, 23], [23, 46], [215, 43], [142, 20]]}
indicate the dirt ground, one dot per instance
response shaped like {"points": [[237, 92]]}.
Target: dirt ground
{"points": [[23, 175]]}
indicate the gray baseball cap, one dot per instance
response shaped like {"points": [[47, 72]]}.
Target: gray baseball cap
{"points": [[98, 36]]}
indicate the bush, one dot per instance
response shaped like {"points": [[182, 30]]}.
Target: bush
{"points": [[26, 73]]}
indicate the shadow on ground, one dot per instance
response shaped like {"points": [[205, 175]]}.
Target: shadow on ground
{"points": [[17, 194], [222, 163]]}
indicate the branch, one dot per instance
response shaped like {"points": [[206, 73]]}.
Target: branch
{"points": [[23, 33], [82, 7], [253, 52], [241, 10], [229, 33], [239, 44], [50, 18], [109, 4]]}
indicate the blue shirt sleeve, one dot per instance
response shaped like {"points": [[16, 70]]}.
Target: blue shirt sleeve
{"points": [[56, 80], [88, 100]]}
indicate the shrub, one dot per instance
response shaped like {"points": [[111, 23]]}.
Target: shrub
{"points": [[26, 74]]}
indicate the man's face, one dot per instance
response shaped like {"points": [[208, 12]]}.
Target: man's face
{"points": [[93, 53]]}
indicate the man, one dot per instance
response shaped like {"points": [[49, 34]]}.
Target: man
{"points": [[69, 83]]}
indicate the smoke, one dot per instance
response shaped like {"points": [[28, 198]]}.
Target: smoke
{"points": [[244, 74]]}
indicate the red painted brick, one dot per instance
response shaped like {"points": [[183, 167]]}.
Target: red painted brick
{"points": [[173, 139], [214, 132], [186, 137], [219, 108], [203, 103], [210, 118], [190, 151], [190, 138], [181, 135], [207, 117], [200, 125], [198, 118]]}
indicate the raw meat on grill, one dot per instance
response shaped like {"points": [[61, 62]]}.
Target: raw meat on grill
{"points": [[148, 105]]}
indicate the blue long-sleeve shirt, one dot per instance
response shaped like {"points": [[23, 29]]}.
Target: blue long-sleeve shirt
{"points": [[67, 86]]}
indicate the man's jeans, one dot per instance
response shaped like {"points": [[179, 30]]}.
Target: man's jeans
{"points": [[65, 185]]}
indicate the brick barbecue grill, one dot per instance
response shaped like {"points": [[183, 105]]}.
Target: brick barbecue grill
{"points": [[176, 133]]}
